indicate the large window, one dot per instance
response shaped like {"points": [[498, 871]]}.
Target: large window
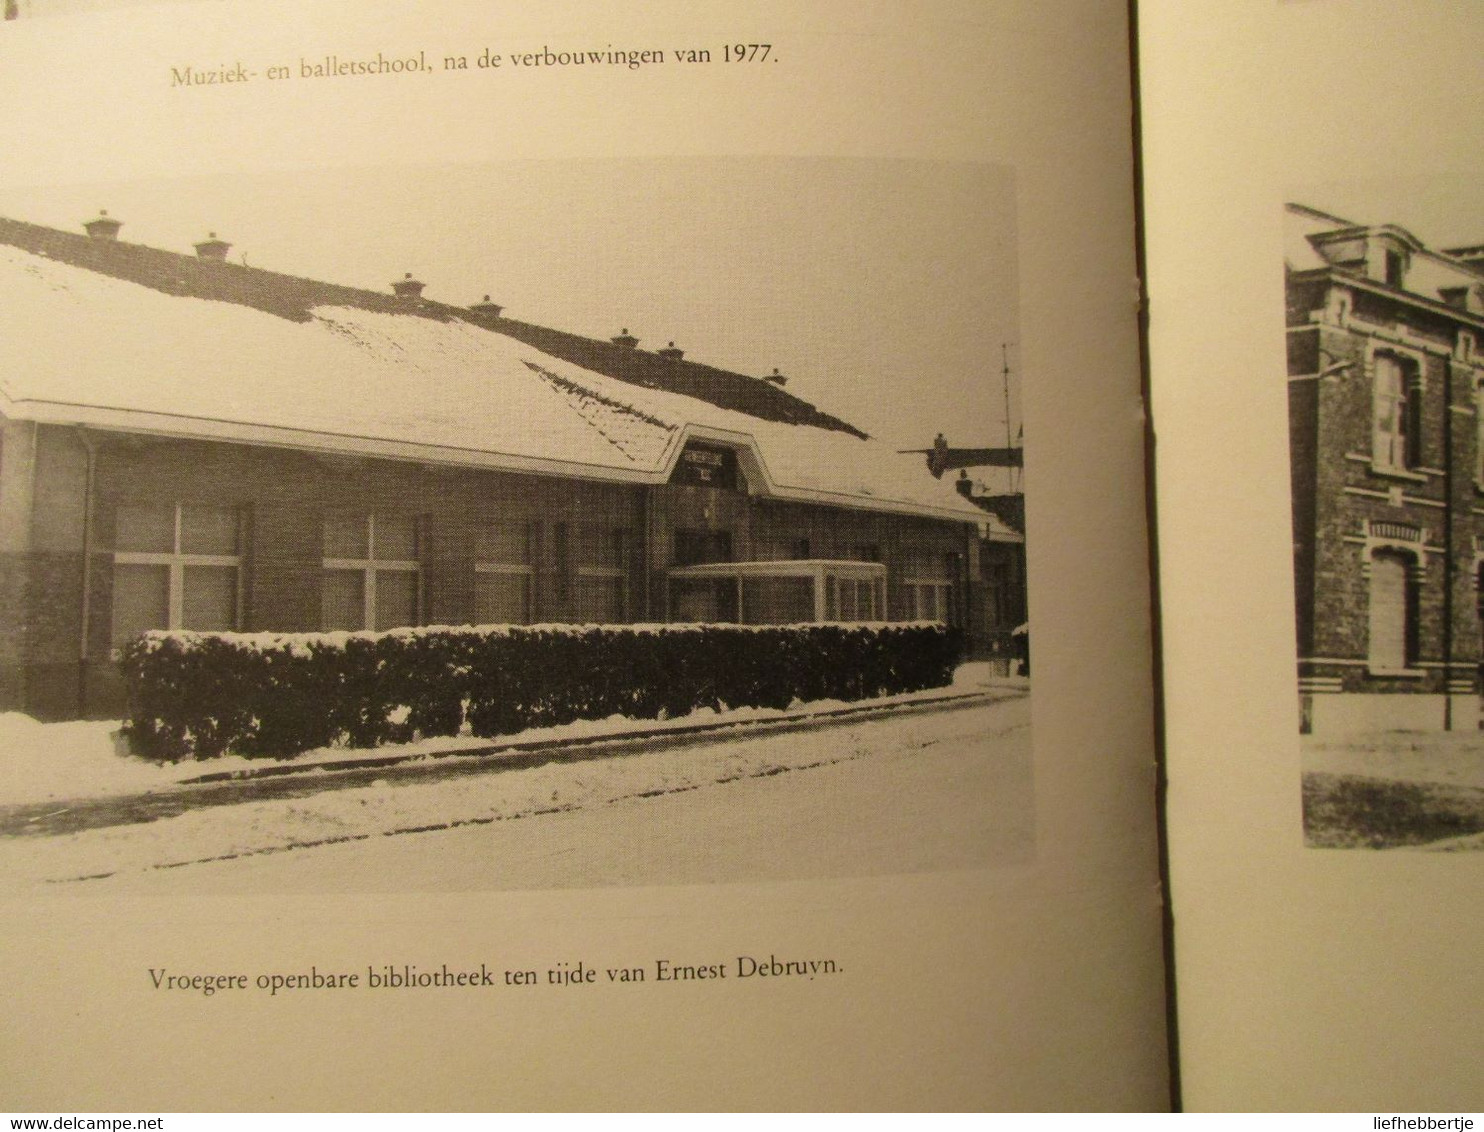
{"points": [[851, 599], [928, 587], [602, 588], [373, 577], [929, 601], [1395, 437], [778, 592], [176, 566], [1393, 611], [503, 575], [1479, 435]]}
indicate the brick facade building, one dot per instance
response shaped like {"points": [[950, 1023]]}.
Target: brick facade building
{"points": [[1000, 627], [191, 443], [1384, 386]]}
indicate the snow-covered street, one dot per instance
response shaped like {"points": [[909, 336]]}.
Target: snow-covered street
{"points": [[942, 788]]}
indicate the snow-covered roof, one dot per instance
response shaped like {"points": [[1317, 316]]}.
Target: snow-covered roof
{"points": [[114, 335], [996, 529]]}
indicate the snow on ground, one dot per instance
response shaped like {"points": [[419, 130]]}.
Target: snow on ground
{"points": [[46, 761], [1451, 758], [41, 762], [339, 816], [952, 790]]}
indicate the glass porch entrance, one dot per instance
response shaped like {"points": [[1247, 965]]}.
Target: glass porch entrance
{"points": [[778, 593]]}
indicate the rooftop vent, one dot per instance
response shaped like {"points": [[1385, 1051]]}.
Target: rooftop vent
{"points": [[103, 226], [776, 378], [626, 340], [485, 307], [672, 352], [408, 288], [212, 248]]}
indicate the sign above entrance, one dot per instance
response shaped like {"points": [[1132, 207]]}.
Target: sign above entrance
{"points": [[702, 465]]}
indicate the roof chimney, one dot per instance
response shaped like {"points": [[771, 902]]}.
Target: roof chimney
{"points": [[212, 248], [486, 307], [408, 288], [103, 226], [776, 378], [672, 352], [626, 340]]}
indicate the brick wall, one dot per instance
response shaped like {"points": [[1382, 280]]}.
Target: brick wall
{"points": [[283, 497], [1342, 497]]}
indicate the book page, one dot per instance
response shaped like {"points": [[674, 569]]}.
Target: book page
{"points": [[1312, 195], [409, 345]]}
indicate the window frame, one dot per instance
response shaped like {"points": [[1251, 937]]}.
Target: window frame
{"points": [[996, 579], [1397, 447], [872, 615], [1394, 268], [176, 562], [1410, 558], [924, 572], [942, 591], [370, 566], [622, 542], [525, 570]]}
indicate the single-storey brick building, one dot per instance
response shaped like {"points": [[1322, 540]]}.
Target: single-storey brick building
{"points": [[193, 443]]}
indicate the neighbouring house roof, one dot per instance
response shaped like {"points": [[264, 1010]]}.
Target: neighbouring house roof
{"points": [[116, 335]]}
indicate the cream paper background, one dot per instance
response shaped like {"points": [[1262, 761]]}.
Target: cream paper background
{"points": [[1306, 979], [1034, 986]]}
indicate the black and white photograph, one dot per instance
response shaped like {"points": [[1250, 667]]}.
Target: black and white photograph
{"points": [[543, 524], [1385, 317]]}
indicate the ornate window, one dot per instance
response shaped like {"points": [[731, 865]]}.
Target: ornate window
{"points": [[1395, 433], [1392, 641]]}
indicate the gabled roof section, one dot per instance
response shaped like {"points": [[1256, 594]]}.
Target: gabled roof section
{"points": [[294, 298], [172, 273], [641, 438], [118, 337], [720, 387]]}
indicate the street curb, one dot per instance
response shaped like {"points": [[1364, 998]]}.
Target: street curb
{"points": [[230, 787], [488, 750]]}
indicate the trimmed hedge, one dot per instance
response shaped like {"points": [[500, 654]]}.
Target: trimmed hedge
{"points": [[198, 695]]}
